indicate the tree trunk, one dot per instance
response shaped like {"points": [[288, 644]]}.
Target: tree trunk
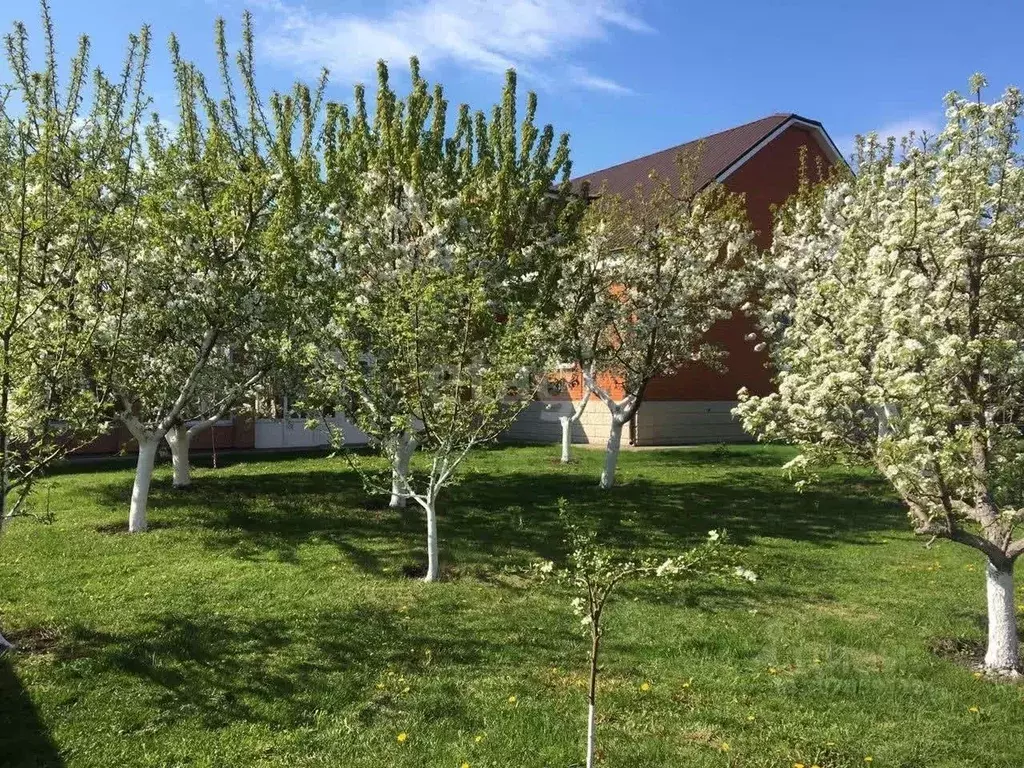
{"points": [[611, 454], [143, 475], [179, 438], [566, 422], [404, 449], [591, 734], [433, 569], [595, 645], [1003, 654], [5, 644]]}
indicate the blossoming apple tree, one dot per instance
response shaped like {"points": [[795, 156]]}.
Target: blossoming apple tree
{"points": [[65, 152], [676, 264], [587, 311], [446, 252], [213, 283], [894, 313]]}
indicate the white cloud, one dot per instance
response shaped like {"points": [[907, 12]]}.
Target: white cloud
{"points": [[535, 36], [921, 124], [583, 78]]}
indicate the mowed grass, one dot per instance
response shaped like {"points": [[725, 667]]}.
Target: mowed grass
{"points": [[268, 619]]}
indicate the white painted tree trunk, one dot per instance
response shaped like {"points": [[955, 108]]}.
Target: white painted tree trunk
{"points": [[179, 438], [404, 450], [1003, 654], [566, 422], [591, 734], [611, 454], [884, 414], [433, 568], [143, 476]]}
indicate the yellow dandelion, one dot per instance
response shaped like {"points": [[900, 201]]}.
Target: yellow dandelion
{"points": [[465, 765], [869, 759], [512, 699], [724, 746], [772, 671], [798, 765], [973, 710], [978, 675], [479, 738], [402, 737], [750, 718], [645, 686]]}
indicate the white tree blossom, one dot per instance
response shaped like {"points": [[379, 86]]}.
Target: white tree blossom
{"points": [[214, 283], [894, 311], [445, 251], [652, 274], [586, 311], [65, 151]]}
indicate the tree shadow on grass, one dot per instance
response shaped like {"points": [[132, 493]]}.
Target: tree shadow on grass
{"points": [[641, 514], [490, 521], [721, 455], [85, 464], [24, 739], [225, 670], [275, 513]]}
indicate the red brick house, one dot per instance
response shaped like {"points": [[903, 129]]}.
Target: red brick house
{"points": [[760, 160]]}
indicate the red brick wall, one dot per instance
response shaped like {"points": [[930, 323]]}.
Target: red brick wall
{"points": [[239, 434], [606, 381], [766, 179], [114, 441]]}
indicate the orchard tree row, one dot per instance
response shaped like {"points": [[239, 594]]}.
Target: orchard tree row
{"points": [[425, 271]]}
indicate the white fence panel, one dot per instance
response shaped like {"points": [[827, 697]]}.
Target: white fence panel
{"points": [[292, 433]]}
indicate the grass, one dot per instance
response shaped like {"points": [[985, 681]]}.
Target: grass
{"points": [[267, 620]]}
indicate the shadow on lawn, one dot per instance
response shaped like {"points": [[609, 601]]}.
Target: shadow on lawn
{"points": [[357, 660], [489, 521], [84, 464], [24, 740], [275, 513], [732, 455]]}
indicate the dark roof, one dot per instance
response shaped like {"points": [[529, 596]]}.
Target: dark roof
{"points": [[720, 151]]}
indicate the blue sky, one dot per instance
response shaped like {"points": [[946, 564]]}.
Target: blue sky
{"points": [[624, 77]]}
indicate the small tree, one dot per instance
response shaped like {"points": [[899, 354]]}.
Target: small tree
{"points": [[64, 157], [676, 265], [894, 312], [446, 254], [592, 573], [213, 286]]}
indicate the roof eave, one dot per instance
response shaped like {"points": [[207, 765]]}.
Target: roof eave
{"points": [[813, 126]]}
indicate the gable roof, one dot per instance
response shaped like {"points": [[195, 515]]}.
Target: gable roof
{"points": [[722, 154]]}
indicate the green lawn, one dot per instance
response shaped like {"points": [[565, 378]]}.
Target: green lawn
{"points": [[268, 619]]}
